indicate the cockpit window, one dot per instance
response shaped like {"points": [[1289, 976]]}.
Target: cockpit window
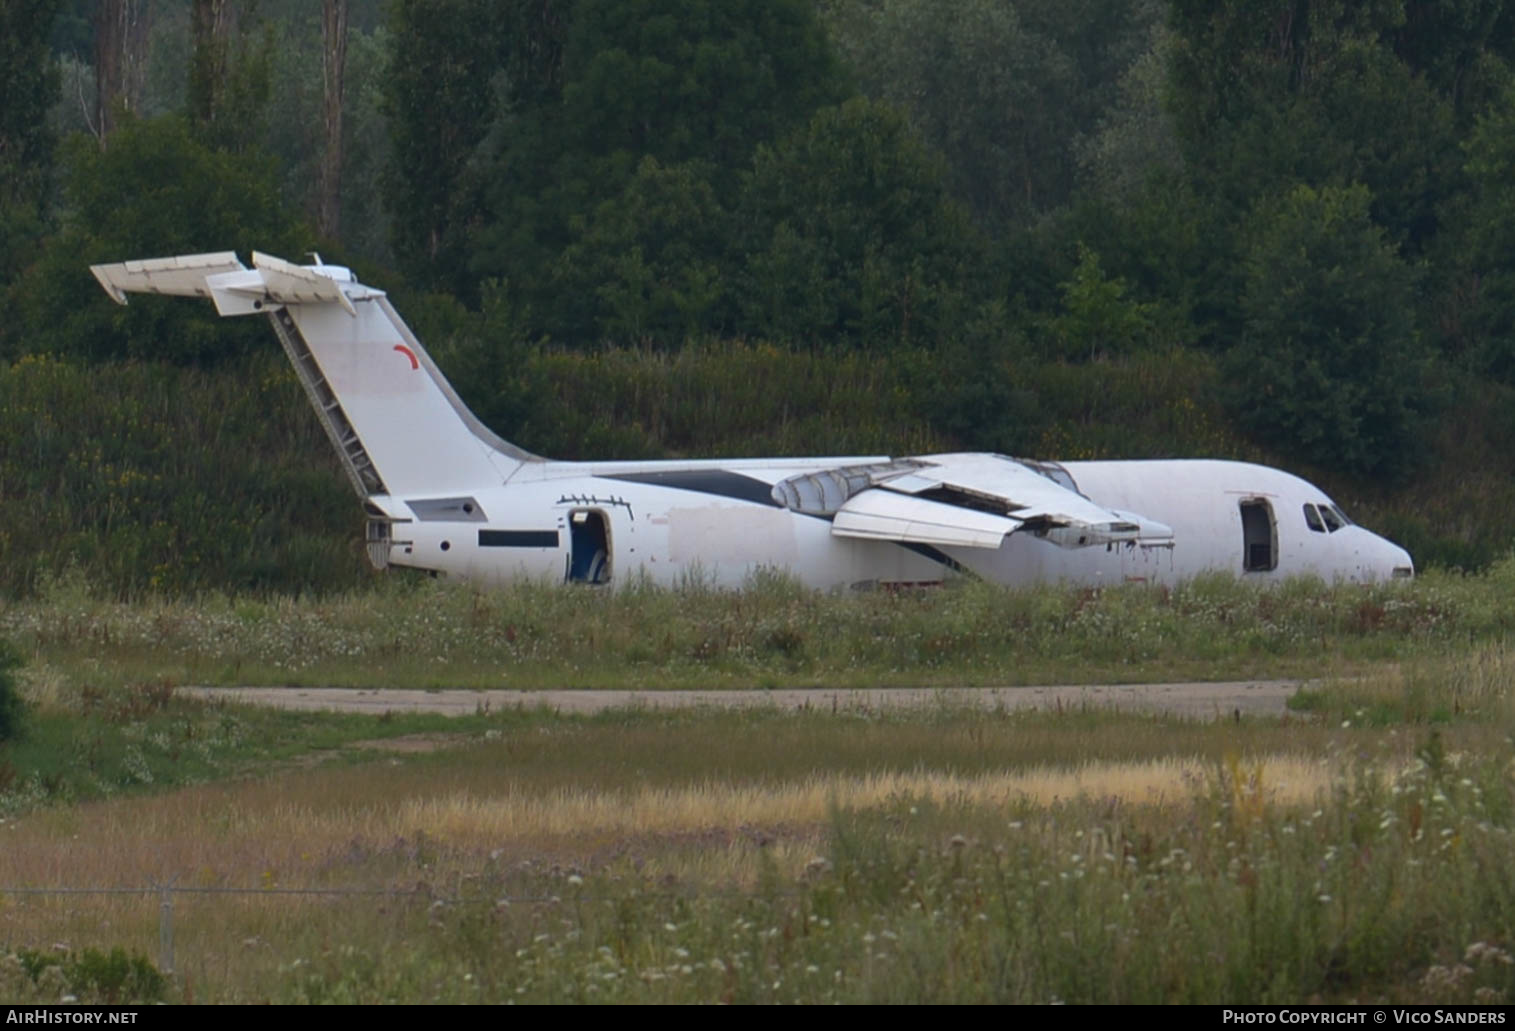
{"points": [[1333, 520], [1345, 521], [1312, 517]]}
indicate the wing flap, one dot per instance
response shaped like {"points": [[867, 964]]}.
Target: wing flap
{"points": [[891, 516]]}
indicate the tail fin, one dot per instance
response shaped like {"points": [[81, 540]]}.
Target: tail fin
{"points": [[395, 421]]}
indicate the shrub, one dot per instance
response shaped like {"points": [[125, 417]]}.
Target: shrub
{"points": [[11, 707]]}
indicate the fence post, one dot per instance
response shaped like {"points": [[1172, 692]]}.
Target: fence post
{"points": [[166, 928]]}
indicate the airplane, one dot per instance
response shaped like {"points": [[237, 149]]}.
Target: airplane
{"points": [[444, 494]]}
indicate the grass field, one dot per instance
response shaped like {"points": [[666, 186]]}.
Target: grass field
{"points": [[938, 855], [1357, 848], [424, 633]]}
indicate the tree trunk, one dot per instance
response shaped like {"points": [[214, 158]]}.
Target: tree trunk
{"points": [[121, 39], [210, 29], [333, 68]]}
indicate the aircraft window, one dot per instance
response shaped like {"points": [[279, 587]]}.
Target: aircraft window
{"points": [[1259, 551], [1312, 517], [1333, 521], [1345, 521]]}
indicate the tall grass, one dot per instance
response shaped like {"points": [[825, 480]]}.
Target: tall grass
{"points": [[939, 857], [428, 633]]}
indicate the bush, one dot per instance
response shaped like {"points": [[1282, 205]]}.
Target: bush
{"points": [[11, 707]]}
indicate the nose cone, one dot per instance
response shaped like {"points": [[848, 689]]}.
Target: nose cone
{"points": [[1384, 560], [1403, 566]]}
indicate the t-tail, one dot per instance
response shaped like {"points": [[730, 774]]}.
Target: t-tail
{"points": [[397, 424]]}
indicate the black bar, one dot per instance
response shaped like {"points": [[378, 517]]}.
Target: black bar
{"points": [[518, 538]]}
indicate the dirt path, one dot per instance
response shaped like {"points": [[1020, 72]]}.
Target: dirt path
{"points": [[1203, 700]]}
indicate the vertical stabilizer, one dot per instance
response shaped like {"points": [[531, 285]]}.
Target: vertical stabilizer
{"points": [[397, 424]]}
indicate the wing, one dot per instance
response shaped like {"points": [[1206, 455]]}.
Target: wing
{"points": [[968, 500]]}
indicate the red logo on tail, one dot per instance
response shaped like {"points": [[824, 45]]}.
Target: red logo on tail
{"points": [[407, 352]]}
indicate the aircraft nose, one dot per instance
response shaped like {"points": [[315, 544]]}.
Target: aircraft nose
{"points": [[1388, 561], [1402, 565]]}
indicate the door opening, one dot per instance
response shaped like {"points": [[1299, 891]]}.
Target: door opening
{"points": [[1259, 536], [589, 535]]}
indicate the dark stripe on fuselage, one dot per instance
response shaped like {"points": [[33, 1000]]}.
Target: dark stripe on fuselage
{"points": [[720, 482], [518, 538], [936, 555]]}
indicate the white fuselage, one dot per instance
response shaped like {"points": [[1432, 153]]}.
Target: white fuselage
{"points": [[713, 522]]}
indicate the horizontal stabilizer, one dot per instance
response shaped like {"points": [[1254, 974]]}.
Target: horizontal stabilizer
{"points": [[183, 276], [884, 515], [287, 283], [236, 289]]}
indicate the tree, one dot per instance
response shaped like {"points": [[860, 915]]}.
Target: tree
{"points": [[1266, 96], [849, 234], [121, 36], [333, 72], [229, 74], [694, 85], [1004, 90], [651, 264], [1479, 257], [441, 95], [157, 190], [1330, 367], [1097, 318], [28, 82]]}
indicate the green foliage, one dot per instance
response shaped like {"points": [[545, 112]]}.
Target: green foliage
{"points": [[850, 235], [91, 742], [544, 163], [1004, 91], [1488, 242], [1097, 318], [974, 388], [90, 975], [229, 79], [12, 708], [1133, 138], [155, 191], [147, 476], [652, 263], [684, 80], [1320, 98], [1330, 367], [439, 98], [28, 82], [116, 976]]}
